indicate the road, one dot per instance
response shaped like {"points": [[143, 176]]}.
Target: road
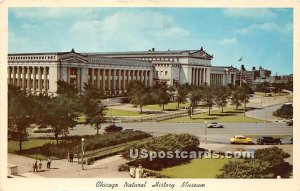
{"points": [[198, 129], [264, 113]]}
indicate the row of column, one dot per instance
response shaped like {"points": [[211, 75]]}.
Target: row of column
{"points": [[111, 80], [199, 76], [31, 78], [116, 79], [217, 79]]}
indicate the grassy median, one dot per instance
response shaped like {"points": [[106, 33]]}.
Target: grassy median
{"points": [[228, 116]]}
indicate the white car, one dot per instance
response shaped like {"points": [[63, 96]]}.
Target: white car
{"points": [[215, 125]]}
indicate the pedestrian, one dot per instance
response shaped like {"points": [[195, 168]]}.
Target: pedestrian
{"points": [[40, 165], [49, 160], [68, 156], [35, 167], [71, 157], [48, 163]]}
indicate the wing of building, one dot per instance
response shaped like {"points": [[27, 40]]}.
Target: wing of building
{"points": [[112, 71]]}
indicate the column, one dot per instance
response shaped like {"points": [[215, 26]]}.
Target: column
{"points": [[120, 80], [97, 77], [103, 79], [34, 78], [45, 79], [108, 79], [14, 75], [124, 80], [9, 74], [19, 75], [92, 76], [205, 75], [151, 78], [146, 78], [23, 77], [40, 79], [196, 76], [114, 79], [28, 78], [78, 79]]}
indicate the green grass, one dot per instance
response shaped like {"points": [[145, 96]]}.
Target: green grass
{"points": [[119, 112], [197, 168], [31, 143], [169, 106], [229, 116]]}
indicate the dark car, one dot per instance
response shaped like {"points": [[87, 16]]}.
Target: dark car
{"points": [[268, 140], [215, 125]]}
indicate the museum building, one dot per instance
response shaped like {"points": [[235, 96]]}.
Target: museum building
{"points": [[112, 71]]}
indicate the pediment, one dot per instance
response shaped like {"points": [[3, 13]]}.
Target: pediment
{"points": [[202, 54], [73, 58]]}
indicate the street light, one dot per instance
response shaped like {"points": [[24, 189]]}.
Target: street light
{"points": [[82, 153], [205, 132]]}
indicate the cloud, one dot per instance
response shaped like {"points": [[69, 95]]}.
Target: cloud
{"points": [[131, 30], [228, 41], [269, 26], [255, 13]]}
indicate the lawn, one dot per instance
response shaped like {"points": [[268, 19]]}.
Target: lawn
{"points": [[229, 116], [197, 168], [118, 112], [169, 106], [31, 143]]}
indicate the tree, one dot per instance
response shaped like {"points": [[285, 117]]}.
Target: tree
{"points": [[195, 95], [139, 94], [265, 87], [182, 92], [20, 114], [276, 158], [208, 98], [222, 96], [235, 98], [244, 97], [92, 107], [162, 93], [249, 168]]}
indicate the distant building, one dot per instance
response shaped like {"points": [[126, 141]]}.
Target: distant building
{"points": [[254, 76]]}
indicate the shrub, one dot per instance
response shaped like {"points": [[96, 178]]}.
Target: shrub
{"points": [[285, 111], [113, 128], [167, 143], [244, 169]]}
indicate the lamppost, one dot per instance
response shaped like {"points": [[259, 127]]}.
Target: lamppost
{"points": [[205, 132], [82, 153]]}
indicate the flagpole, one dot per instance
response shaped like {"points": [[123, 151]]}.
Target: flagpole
{"points": [[241, 75]]}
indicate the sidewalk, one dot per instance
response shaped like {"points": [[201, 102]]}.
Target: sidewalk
{"points": [[105, 168]]}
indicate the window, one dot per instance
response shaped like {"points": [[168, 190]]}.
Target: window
{"points": [[166, 73], [156, 73]]}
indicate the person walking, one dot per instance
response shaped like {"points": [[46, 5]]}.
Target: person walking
{"points": [[40, 165], [35, 166], [49, 163]]}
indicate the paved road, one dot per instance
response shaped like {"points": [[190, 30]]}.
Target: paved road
{"points": [[198, 129], [264, 113]]}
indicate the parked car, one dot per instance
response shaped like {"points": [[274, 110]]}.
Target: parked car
{"points": [[268, 140], [215, 125], [241, 139], [42, 130]]}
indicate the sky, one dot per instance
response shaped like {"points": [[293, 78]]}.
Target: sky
{"points": [[262, 36]]}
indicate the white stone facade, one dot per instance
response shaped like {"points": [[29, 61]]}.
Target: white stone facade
{"points": [[111, 72]]}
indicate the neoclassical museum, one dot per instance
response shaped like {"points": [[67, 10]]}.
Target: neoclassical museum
{"points": [[112, 71]]}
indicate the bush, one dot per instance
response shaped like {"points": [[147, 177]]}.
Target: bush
{"points": [[286, 111], [268, 162], [113, 128], [167, 143], [244, 169]]}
